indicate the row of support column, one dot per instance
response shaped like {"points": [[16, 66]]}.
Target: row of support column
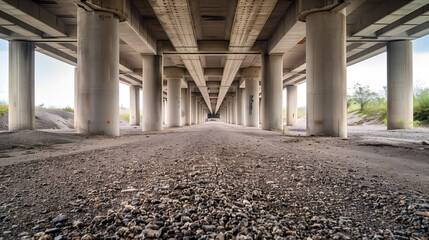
{"points": [[97, 84]]}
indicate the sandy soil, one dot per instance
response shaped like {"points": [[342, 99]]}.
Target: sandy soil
{"points": [[370, 185]]}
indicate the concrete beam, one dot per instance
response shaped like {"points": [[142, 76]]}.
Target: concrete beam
{"points": [[40, 18], [134, 31], [373, 20], [288, 32]]}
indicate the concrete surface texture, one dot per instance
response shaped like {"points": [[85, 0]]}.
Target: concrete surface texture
{"points": [[21, 86], [98, 80]]}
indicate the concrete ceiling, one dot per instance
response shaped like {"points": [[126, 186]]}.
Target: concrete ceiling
{"points": [[213, 39]]}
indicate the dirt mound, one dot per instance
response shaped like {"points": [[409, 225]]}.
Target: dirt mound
{"points": [[356, 118], [46, 119], [31, 139]]}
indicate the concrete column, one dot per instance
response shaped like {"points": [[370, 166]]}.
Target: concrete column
{"points": [[245, 105], [227, 112], [183, 97], [173, 102], [152, 93], [188, 107], [164, 103], [240, 106], [229, 109], [98, 80], [234, 108], [260, 110], [291, 103], [75, 96], [272, 85], [399, 85], [251, 113], [134, 105], [326, 74], [201, 113], [194, 109], [21, 86], [197, 119]]}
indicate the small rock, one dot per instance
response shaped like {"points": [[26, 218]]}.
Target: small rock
{"points": [[209, 228], [60, 219], [148, 233], [52, 230]]}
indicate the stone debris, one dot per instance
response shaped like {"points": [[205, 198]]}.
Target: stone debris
{"points": [[230, 193]]}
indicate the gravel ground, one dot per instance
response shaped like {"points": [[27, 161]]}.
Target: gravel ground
{"points": [[217, 181]]}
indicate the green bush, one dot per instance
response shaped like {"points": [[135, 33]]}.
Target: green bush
{"points": [[421, 106], [3, 109], [67, 109], [125, 116]]}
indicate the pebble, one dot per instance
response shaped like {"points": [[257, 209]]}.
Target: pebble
{"points": [[60, 219]]}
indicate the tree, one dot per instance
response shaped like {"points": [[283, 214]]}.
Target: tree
{"points": [[362, 95]]}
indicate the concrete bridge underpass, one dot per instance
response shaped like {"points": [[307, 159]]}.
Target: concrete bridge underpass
{"points": [[227, 57]]}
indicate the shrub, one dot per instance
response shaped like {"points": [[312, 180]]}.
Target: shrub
{"points": [[3, 109], [421, 106], [67, 109], [125, 116]]}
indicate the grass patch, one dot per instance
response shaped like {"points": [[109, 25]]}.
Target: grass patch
{"points": [[301, 111], [67, 109], [421, 106], [353, 108], [27, 146], [3, 109], [125, 116]]}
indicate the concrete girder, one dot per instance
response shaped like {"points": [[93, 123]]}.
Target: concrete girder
{"points": [[405, 23], [41, 19], [387, 12], [67, 52], [135, 32], [17, 27], [250, 17], [176, 19], [288, 32]]}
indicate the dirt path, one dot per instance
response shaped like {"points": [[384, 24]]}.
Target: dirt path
{"points": [[216, 180]]}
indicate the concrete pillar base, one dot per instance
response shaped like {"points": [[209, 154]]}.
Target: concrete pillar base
{"points": [[98, 79], [291, 105], [152, 93], [251, 96], [134, 106], [326, 74], [399, 85], [21, 86]]}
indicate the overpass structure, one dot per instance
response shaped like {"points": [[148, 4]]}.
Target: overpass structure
{"points": [[211, 56]]}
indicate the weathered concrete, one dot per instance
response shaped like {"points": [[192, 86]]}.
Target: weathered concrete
{"points": [[188, 119], [183, 97], [173, 102], [21, 86], [251, 112], [164, 103], [98, 80], [291, 105], [399, 85], [134, 105], [194, 110], [240, 106], [234, 108], [76, 74], [152, 93], [272, 85], [326, 74]]}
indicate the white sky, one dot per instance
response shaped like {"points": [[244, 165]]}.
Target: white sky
{"points": [[54, 80]]}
